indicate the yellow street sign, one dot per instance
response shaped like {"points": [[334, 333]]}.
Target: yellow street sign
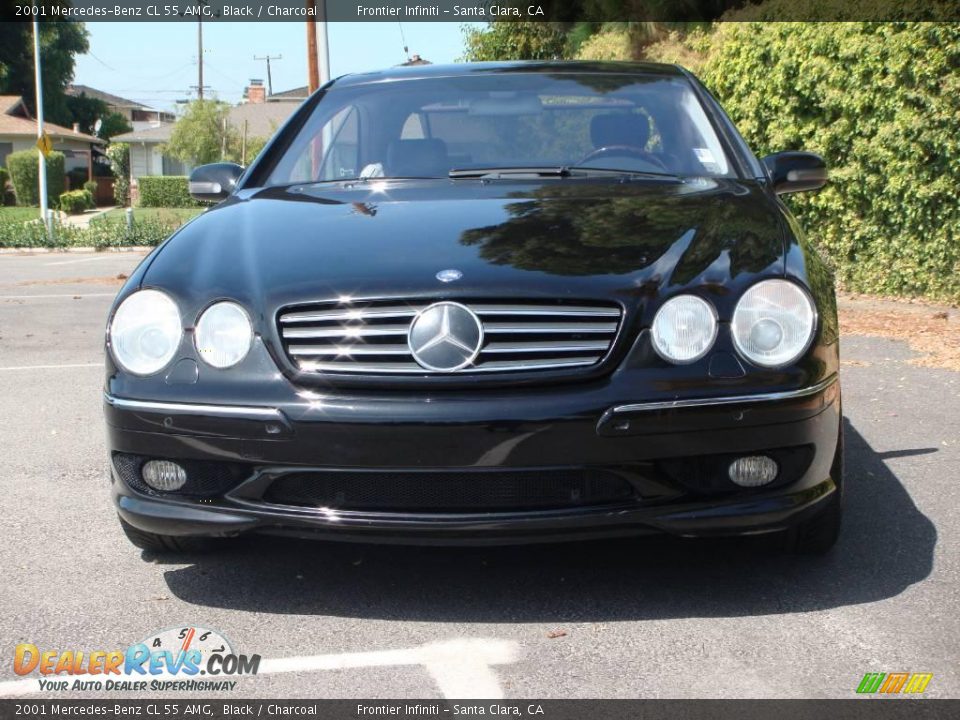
{"points": [[45, 145]]}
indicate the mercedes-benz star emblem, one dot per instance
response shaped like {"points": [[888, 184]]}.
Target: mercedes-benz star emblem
{"points": [[445, 337], [449, 275]]}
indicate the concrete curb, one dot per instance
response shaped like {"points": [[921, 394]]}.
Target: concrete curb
{"points": [[79, 249]]}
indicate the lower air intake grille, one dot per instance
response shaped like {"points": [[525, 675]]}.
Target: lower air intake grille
{"points": [[371, 336], [204, 478], [450, 491]]}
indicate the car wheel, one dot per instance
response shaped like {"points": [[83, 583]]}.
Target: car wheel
{"points": [[165, 543], [818, 534]]}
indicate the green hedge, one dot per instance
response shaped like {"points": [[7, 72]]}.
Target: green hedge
{"points": [[165, 191], [32, 234], [76, 201], [24, 171], [881, 102]]}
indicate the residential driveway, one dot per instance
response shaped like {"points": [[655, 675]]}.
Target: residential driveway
{"points": [[642, 618]]}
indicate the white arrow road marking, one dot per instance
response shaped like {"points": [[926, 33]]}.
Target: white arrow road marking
{"points": [[460, 668]]}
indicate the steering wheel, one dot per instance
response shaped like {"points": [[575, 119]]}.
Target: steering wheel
{"points": [[623, 150]]}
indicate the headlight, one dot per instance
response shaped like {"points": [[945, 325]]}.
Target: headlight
{"points": [[773, 323], [684, 329], [145, 332], [223, 335]]}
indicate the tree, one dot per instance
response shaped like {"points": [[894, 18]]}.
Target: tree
{"points": [[59, 43], [506, 40], [119, 156], [113, 124], [203, 135]]}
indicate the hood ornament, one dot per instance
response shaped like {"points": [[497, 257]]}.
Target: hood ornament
{"points": [[449, 275]]}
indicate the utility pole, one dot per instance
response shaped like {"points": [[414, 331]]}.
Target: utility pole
{"points": [[200, 52], [268, 58], [41, 156], [313, 73]]}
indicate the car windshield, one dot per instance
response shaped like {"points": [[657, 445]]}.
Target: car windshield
{"points": [[506, 123]]}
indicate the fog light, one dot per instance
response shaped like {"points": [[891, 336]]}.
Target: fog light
{"points": [[163, 475], [753, 471]]}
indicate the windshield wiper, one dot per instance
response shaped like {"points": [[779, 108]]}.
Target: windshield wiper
{"points": [[560, 171], [493, 172]]}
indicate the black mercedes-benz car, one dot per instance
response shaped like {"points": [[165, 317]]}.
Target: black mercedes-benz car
{"points": [[484, 303]]}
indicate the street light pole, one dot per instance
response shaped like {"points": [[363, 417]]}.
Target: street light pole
{"points": [[41, 159]]}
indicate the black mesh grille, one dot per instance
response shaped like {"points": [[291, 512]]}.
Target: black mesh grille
{"points": [[451, 491], [204, 478]]}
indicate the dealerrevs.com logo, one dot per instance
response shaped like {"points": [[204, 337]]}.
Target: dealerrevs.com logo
{"points": [[894, 683], [171, 659]]}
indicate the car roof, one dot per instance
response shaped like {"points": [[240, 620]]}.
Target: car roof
{"points": [[414, 72]]}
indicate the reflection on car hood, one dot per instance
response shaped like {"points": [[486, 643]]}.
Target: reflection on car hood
{"points": [[555, 238]]}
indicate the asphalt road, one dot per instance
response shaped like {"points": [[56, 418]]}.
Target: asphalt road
{"points": [[650, 618]]}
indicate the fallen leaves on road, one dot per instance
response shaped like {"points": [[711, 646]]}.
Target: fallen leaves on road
{"points": [[553, 634], [929, 330]]}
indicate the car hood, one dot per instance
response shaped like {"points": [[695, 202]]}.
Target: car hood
{"points": [[555, 238]]}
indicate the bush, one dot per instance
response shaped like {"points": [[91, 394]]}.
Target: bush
{"points": [[7, 196], [24, 169], [119, 155], [611, 44], [75, 201], [880, 102], [90, 187], [32, 234], [165, 191]]}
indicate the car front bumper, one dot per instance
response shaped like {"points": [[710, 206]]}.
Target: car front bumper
{"points": [[472, 436]]}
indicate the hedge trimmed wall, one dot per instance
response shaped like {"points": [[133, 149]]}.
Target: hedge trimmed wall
{"points": [[165, 191], [881, 102], [24, 171]]}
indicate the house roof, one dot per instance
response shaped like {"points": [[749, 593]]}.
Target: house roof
{"points": [[300, 93], [262, 119], [159, 134], [15, 121], [114, 100]]}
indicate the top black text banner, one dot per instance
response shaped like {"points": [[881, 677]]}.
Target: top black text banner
{"points": [[562, 11]]}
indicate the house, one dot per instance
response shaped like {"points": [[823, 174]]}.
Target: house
{"points": [[18, 131], [146, 152], [139, 116], [258, 117]]}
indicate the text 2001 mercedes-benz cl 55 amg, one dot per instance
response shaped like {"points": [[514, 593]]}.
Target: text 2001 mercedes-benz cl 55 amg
{"points": [[489, 303]]}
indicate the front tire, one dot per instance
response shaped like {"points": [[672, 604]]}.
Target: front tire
{"points": [[165, 543]]}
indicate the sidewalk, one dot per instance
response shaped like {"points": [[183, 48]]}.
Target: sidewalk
{"points": [[84, 219]]}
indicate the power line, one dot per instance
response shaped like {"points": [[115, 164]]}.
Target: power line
{"points": [[406, 50]]}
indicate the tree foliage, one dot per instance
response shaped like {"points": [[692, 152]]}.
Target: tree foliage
{"points": [[119, 156], [59, 43], [203, 134], [514, 41]]}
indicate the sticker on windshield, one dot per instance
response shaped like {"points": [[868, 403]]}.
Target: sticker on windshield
{"points": [[706, 159]]}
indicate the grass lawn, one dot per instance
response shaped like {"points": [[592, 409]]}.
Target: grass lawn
{"points": [[18, 214], [171, 216]]}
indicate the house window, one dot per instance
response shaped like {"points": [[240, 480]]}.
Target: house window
{"points": [[5, 149]]}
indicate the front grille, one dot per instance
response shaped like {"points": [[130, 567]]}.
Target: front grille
{"points": [[450, 491], [371, 336]]}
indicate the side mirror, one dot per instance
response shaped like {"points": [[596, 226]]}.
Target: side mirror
{"points": [[214, 182], [796, 171]]}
